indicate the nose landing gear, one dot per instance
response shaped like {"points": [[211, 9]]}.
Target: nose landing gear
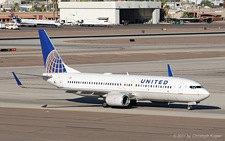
{"points": [[190, 105]]}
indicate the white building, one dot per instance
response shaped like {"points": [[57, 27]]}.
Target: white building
{"points": [[217, 2], [9, 1], [116, 11]]}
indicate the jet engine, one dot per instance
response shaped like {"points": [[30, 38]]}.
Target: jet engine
{"points": [[117, 100]]}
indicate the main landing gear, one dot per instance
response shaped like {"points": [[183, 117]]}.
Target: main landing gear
{"points": [[190, 105], [133, 102], [105, 105]]}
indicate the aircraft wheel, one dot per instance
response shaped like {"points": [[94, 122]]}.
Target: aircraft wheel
{"points": [[190, 107], [133, 103], [105, 105]]}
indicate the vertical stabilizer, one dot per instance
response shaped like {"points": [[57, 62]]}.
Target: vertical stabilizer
{"points": [[53, 63]]}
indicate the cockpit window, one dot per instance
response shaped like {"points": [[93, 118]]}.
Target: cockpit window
{"points": [[196, 87]]}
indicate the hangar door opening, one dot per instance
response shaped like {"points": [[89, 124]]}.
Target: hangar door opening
{"points": [[136, 15]]}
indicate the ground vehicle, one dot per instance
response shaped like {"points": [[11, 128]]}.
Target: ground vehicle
{"points": [[2, 25], [68, 23], [11, 26]]}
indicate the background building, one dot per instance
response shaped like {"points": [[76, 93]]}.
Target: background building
{"points": [[115, 11]]}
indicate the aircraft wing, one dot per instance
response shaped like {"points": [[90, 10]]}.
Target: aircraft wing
{"points": [[83, 92]]}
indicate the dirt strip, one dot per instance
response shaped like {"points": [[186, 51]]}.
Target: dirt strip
{"points": [[108, 58]]}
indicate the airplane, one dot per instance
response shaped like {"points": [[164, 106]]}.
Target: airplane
{"points": [[33, 22], [115, 89], [90, 22]]}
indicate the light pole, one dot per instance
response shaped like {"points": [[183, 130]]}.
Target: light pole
{"points": [[196, 4], [46, 5]]}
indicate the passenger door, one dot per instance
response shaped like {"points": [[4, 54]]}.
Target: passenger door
{"points": [[180, 88]]}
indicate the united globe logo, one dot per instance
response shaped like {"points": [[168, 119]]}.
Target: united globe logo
{"points": [[54, 63]]}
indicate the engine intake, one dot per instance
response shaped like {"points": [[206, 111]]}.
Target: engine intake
{"points": [[117, 100]]}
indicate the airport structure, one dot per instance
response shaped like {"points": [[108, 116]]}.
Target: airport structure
{"points": [[115, 11]]}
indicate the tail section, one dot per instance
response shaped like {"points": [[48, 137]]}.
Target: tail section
{"points": [[53, 63], [13, 16], [16, 19]]}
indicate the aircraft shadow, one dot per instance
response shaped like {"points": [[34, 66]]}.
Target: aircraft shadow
{"points": [[177, 106], [70, 106], [89, 100], [92, 101]]}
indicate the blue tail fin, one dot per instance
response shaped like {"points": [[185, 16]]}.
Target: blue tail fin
{"points": [[53, 63], [13, 16]]}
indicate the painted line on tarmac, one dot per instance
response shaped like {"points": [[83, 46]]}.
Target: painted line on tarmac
{"points": [[195, 52], [84, 55], [159, 53], [122, 54]]}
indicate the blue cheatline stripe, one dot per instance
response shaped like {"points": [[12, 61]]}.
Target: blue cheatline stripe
{"points": [[17, 79]]}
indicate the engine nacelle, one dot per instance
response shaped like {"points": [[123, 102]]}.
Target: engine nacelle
{"points": [[117, 100]]}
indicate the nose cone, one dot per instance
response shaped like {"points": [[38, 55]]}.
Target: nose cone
{"points": [[206, 93]]}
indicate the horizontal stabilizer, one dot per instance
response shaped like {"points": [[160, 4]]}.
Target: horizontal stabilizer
{"points": [[38, 75], [17, 80]]}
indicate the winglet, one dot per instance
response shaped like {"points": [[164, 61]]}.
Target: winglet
{"points": [[170, 72], [17, 80]]}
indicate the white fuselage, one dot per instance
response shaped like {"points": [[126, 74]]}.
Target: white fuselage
{"points": [[35, 22], [94, 23], [153, 88]]}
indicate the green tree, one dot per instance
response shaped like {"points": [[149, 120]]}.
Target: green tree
{"points": [[16, 7], [163, 2], [35, 8], [187, 15], [55, 4], [184, 15], [43, 8], [205, 3], [166, 8]]}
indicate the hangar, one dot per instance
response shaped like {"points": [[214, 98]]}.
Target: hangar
{"points": [[115, 11]]}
